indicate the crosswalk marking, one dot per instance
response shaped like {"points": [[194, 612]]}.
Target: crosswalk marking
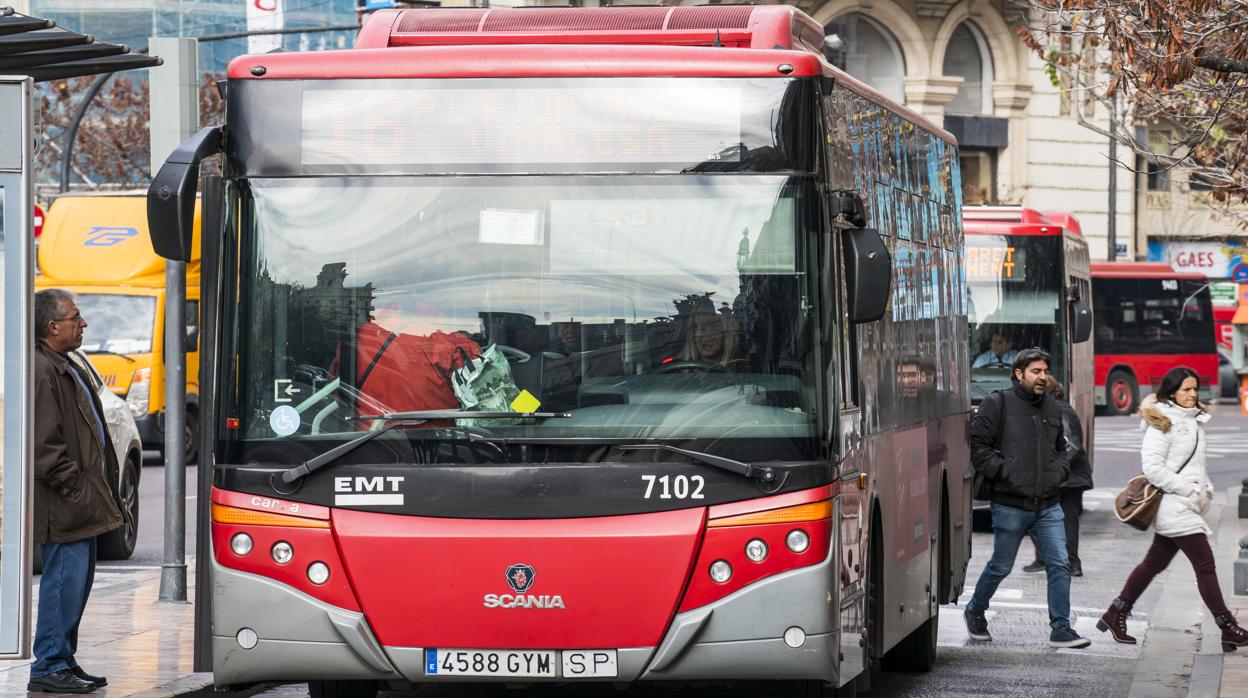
{"points": [[1121, 440]]}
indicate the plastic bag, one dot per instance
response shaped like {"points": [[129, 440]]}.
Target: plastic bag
{"points": [[485, 384]]}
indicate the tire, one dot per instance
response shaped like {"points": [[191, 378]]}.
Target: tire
{"points": [[875, 603], [119, 544], [1122, 393], [343, 689]]}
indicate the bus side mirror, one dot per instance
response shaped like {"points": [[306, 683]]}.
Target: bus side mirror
{"points": [[1080, 321], [868, 274], [171, 197]]}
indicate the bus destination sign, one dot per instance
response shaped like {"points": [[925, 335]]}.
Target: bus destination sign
{"points": [[455, 125], [995, 263]]}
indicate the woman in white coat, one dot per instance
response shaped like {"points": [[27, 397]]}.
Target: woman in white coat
{"points": [[1173, 459]]}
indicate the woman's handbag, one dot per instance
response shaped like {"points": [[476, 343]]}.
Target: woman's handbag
{"points": [[1136, 505]]}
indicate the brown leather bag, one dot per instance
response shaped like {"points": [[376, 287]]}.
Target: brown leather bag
{"points": [[1136, 505]]}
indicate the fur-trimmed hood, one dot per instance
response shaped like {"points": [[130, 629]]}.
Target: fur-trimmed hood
{"points": [[1161, 415]]}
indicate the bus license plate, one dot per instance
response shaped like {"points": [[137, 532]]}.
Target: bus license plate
{"points": [[448, 662], [533, 663]]}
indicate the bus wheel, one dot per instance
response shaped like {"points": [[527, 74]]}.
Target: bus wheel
{"points": [[343, 689], [1123, 393]]}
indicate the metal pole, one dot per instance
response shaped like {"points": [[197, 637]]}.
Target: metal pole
{"points": [[1111, 231], [173, 571], [175, 116]]}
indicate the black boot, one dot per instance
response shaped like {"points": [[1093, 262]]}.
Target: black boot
{"points": [[1232, 635], [1115, 621], [62, 681]]}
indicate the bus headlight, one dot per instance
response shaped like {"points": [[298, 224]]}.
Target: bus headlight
{"points": [[240, 544], [797, 540], [138, 395], [318, 573], [756, 550], [282, 552], [721, 572]]}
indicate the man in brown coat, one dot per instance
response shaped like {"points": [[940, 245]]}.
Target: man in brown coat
{"points": [[75, 498]]}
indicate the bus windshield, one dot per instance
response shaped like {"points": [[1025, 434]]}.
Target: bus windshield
{"points": [[645, 306], [1153, 316], [117, 323], [1015, 303]]}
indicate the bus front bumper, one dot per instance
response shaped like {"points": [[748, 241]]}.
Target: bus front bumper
{"points": [[739, 637]]}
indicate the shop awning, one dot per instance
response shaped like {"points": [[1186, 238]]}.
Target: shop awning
{"points": [[43, 51]]}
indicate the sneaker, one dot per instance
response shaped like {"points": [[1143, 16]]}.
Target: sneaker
{"points": [[1037, 566], [976, 626], [1066, 637]]}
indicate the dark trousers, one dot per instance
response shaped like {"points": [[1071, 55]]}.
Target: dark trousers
{"points": [[1161, 552], [68, 573], [1072, 506]]}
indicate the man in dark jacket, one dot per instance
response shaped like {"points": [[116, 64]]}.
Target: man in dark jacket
{"points": [[75, 501], [1080, 479], [1018, 448]]}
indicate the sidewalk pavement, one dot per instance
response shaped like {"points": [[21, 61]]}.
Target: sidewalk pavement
{"points": [[143, 647]]}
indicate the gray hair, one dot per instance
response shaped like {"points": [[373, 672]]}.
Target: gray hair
{"points": [[49, 306]]}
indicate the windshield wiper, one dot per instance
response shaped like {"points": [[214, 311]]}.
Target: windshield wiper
{"points": [[398, 419], [762, 473], [111, 353]]}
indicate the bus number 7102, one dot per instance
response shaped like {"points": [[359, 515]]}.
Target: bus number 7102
{"points": [[678, 487]]}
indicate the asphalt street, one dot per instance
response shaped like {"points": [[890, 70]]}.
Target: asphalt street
{"points": [[1016, 663]]}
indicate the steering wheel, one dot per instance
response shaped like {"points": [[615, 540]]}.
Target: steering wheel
{"points": [[514, 354], [690, 366]]}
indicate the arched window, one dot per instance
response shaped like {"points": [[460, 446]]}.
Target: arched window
{"points": [[865, 50], [967, 56]]}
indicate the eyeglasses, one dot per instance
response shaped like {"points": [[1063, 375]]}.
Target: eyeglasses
{"points": [[77, 318]]}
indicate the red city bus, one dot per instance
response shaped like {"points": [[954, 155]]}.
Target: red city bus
{"points": [[555, 345], [1029, 283], [1148, 319]]}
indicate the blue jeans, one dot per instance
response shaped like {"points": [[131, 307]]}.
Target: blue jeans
{"points": [[68, 573], [1010, 525]]}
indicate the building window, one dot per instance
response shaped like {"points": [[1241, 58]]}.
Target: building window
{"points": [[967, 57], [868, 52], [978, 176]]}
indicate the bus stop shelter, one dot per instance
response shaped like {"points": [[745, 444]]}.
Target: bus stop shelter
{"points": [[32, 50]]}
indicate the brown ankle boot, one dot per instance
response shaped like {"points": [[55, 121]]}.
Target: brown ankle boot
{"points": [[1232, 635], [1115, 621]]}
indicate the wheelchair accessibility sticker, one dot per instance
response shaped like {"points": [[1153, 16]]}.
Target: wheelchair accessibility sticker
{"points": [[108, 235]]}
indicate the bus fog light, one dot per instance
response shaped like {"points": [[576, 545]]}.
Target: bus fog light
{"points": [[797, 540], [756, 550], [282, 552], [240, 544], [795, 637], [247, 638], [721, 572], [318, 573]]}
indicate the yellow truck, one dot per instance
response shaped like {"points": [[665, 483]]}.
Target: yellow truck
{"points": [[97, 247]]}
